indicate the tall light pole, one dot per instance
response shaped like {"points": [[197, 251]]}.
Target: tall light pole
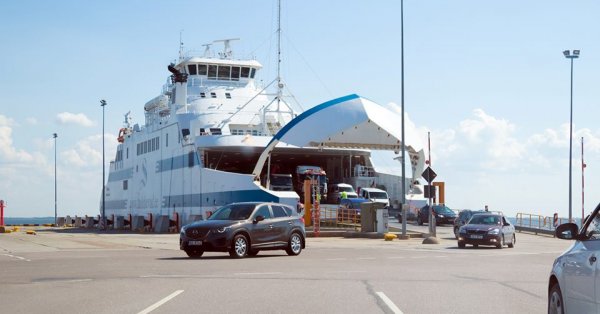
{"points": [[55, 202], [571, 56], [103, 103], [402, 147]]}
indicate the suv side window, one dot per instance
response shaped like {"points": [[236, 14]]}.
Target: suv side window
{"points": [[593, 230], [263, 211], [278, 211]]}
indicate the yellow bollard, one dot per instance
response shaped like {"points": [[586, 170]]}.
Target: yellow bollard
{"points": [[390, 236], [32, 232]]}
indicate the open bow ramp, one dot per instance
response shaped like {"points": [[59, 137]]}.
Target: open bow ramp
{"points": [[346, 122]]}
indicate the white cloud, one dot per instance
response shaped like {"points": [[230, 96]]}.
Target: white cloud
{"points": [[8, 152], [31, 120], [74, 118], [87, 152]]}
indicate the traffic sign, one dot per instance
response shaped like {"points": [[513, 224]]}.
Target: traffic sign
{"points": [[429, 175]]}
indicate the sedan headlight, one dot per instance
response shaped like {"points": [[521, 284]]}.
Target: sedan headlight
{"points": [[494, 231], [182, 231], [221, 229]]}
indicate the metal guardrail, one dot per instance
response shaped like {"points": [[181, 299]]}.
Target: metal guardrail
{"points": [[537, 223]]}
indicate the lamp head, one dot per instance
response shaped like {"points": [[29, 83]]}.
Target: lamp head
{"points": [[102, 102], [54, 135], [567, 53], [576, 53]]}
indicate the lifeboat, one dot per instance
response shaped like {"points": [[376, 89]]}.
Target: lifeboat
{"points": [[122, 133]]}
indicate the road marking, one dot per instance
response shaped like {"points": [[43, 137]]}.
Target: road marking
{"points": [[253, 274], [366, 258], [17, 257], [336, 259], [389, 303], [396, 257], [161, 302]]}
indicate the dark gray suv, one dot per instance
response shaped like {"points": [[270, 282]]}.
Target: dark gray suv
{"points": [[244, 229]]}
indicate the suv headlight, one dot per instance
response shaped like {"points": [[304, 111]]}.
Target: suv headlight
{"points": [[221, 229], [494, 231]]}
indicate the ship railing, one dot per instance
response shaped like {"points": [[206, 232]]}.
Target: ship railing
{"points": [[538, 223], [363, 171]]}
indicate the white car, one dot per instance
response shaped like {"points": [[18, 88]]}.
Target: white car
{"points": [[574, 284]]}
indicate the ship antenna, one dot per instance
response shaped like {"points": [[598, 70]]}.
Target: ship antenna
{"points": [[227, 53], [207, 50], [279, 84], [180, 46]]}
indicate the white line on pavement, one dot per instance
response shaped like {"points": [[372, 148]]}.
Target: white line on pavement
{"points": [[161, 302], [17, 257], [366, 258], [389, 303]]}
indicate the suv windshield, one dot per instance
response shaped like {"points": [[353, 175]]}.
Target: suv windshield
{"points": [[377, 195], [443, 210], [485, 220], [346, 188], [233, 212]]}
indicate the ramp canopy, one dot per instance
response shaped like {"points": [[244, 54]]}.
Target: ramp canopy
{"points": [[346, 122]]}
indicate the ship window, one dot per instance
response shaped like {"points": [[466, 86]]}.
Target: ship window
{"points": [[235, 73], [138, 149], [124, 184], [212, 71], [167, 140], [245, 72], [145, 149], [203, 95], [127, 153], [213, 95], [254, 132], [157, 142], [224, 72], [201, 69], [252, 73], [192, 69], [215, 131], [190, 159], [228, 95]]}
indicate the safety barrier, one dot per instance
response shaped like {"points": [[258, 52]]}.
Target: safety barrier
{"points": [[339, 217], [538, 223]]}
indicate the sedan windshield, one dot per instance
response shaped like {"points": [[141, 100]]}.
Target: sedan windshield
{"points": [[484, 220], [233, 212], [443, 210]]}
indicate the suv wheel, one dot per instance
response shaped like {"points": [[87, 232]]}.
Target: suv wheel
{"points": [[512, 242], [194, 253], [239, 249], [461, 244], [555, 300], [456, 232], [294, 244]]}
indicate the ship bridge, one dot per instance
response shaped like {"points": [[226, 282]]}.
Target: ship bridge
{"points": [[351, 122]]}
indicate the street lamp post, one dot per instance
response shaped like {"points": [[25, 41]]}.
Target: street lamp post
{"points": [[571, 56], [402, 147], [55, 202], [103, 103]]}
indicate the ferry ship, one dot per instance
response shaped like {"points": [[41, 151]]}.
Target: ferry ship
{"points": [[213, 134]]}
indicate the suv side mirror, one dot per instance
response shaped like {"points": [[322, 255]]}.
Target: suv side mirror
{"points": [[259, 218], [567, 231]]}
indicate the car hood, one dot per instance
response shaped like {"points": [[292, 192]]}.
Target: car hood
{"points": [[212, 224], [480, 227]]}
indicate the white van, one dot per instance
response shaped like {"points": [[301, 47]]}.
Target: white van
{"points": [[375, 195], [335, 192]]}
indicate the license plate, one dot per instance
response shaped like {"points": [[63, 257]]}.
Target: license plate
{"points": [[476, 236], [194, 242]]}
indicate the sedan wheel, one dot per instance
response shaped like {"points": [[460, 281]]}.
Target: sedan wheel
{"points": [[239, 249], [501, 244], [294, 245], [512, 242], [456, 232], [555, 300]]}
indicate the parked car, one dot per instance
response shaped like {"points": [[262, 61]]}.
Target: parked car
{"points": [[375, 195], [334, 192], [245, 229], [443, 215], [349, 209], [575, 279], [462, 219], [487, 228]]}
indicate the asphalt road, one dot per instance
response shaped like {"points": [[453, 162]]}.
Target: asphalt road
{"points": [[59, 272]]}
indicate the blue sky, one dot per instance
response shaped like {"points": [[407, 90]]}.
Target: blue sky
{"points": [[486, 78]]}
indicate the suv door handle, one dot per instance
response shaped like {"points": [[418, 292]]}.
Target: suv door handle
{"points": [[592, 259]]}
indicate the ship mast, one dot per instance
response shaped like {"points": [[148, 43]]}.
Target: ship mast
{"points": [[279, 84]]}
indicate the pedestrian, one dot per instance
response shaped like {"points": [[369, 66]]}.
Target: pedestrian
{"points": [[344, 194]]}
